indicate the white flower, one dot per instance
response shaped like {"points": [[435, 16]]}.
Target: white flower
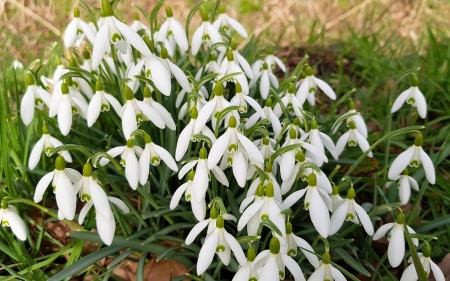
{"points": [[46, 143], [414, 97], [241, 100], [138, 25], [290, 102], [62, 182], [128, 160], [175, 71], [309, 85], [66, 103], [115, 32], [247, 272], [134, 112], [349, 210], [229, 66], [404, 184], [413, 156], [224, 22], [10, 218], [268, 113], [326, 272], [336, 199], [271, 264], [202, 174], [353, 137], [222, 243], [241, 61], [91, 192], [198, 208], [293, 242], [76, 30], [212, 66], [396, 248], [35, 96], [358, 119], [17, 64], [173, 30], [271, 60], [101, 102], [265, 76], [240, 150], [410, 273], [319, 140], [161, 110], [317, 202], [153, 154], [207, 34]]}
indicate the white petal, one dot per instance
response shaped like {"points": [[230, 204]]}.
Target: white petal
{"points": [[270, 271], [183, 141], [342, 142], [101, 201], [204, 115], [360, 125], [84, 211], [337, 275], [364, 219], [240, 165], [305, 247], [106, 228], [401, 162], [166, 157], [94, 109], [428, 166], [249, 213], [421, 103], [180, 35], [279, 63], [264, 86], [70, 35], [119, 203], [338, 217], [27, 107], [196, 231], [303, 91], [197, 40], [293, 198], [218, 149], [438, 275], [400, 100], [255, 105], [276, 125], [165, 115], [318, 274], [186, 168], [315, 151], [180, 76], [65, 116], [17, 225], [325, 88], [220, 176], [404, 190], [177, 195], [413, 183], [144, 166], [90, 33], [319, 215], [115, 103], [293, 267], [382, 230], [151, 114], [129, 124], [36, 153], [132, 37], [287, 164], [199, 209], [132, 172], [200, 181], [100, 46], [238, 27], [206, 254], [236, 248], [363, 143], [160, 76], [242, 274], [410, 273], [252, 151], [114, 152], [396, 248], [65, 197], [42, 186]]}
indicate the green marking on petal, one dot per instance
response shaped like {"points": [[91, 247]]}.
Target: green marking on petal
{"points": [[411, 101], [47, 150], [220, 248], [38, 101], [123, 162], [281, 273], [349, 217], [86, 198], [104, 107], [74, 110], [139, 117], [206, 37], [232, 148], [414, 163], [312, 90], [5, 223], [79, 31], [264, 216], [155, 160], [188, 197], [352, 143], [307, 204], [116, 38], [292, 252]]}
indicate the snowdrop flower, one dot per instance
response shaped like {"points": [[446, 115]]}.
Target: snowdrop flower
{"points": [[336, 199], [153, 154], [396, 248], [195, 99], [187, 133], [308, 88], [187, 188], [271, 60], [317, 202], [92, 193], [241, 61], [76, 30], [293, 241], [212, 66], [161, 110], [229, 66], [62, 182], [244, 101], [174, 31], [290, 102], [349, 210], [404, 184], [271, 264], [410, 273], [35, 96], [17, 65], [287, 162], [265, 76], [175, 71], [358, 119], [224, 22], [412, 96], [240, 150], [65, 104], [263, 207], [101, 102], [269, 113], [319, 140], [134, 112], [10, 218], [247, 272], [222, 243], [326, 272], [413, 156], [352, 137], [46, 143], [138, 25], [210, 223], [128, 160], [202, 176], [115, 32], [212, 109], [206, 34]]}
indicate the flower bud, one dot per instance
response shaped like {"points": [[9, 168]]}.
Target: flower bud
{"points": [[232, 122], [415, 81], [147, 138], [214, 213], [326, 258], [86, 54], [274, 246], [60, 163], [219, 222], [194, 113], [87, 170], [129, 95], [309, 71], [64, 89], [351, 193], [351, 104], [204, 14], [169, 12]]}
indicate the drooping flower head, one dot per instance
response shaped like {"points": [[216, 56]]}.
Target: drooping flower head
{"points": [[412, 96], [9, 218]]}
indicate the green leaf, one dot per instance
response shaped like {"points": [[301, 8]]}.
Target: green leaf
{"points": [[140, 268], [70, 147], [415, 257], [356, 265], [247, 239], [436, 223], [267, 222]]}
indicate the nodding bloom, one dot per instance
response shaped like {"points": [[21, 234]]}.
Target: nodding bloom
{"points": [[187, 188], [175, 71], [161, 110], [412, 96], [308, 88], [353, 138], [224, 22], [221, 242], [349, 210], [206, 34], [404, 184], [174, 31], [229, 66], [265, 76], [92, 193], [241, 61], [138, 25], [271, 264], [354, 116], [290, 102], [62, 180], [410, 273], [128, 160], [247, 272], [101, 102], [153, 154], [35, 96], [268, 113], [317, 202], [9, 217], [413, 157], [326, 271], [294, 242], [76, 30], [46, 143], [319, 140], [117, 33], [396, 248], [241, 100], [272, 60]]}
